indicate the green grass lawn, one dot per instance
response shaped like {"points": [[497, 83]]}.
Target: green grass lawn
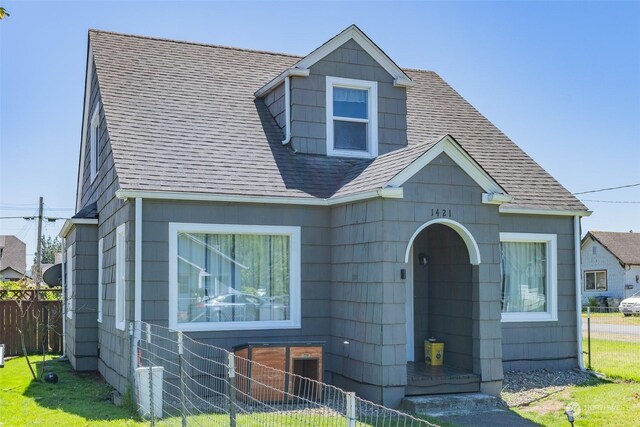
{"points": [[615, 359], [597, 403], [77, 400], [83, 400]]}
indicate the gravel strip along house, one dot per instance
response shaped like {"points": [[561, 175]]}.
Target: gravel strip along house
{"points": [[245, 196]]}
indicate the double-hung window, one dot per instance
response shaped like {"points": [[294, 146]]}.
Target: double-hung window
{"points": [[352, 117], [528, 267], [595, 280], [231, 277], [120, 317], [94, 156]]}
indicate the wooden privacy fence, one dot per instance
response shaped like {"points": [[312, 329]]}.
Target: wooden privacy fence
{"points": [[41, 325]]}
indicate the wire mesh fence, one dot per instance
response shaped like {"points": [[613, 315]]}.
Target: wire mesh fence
{"points": [[179, 381], [611, 341]]}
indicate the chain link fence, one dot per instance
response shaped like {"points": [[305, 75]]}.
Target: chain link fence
{"points": [[611, 342], [180, 382]]}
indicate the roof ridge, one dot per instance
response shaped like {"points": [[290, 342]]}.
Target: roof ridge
{"points": [[220, 46], [164, 39]]}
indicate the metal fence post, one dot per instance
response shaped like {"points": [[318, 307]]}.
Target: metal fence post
{"points": [[589, 337], [351, 409], [183, 406], [151, 402], [231, 389]]}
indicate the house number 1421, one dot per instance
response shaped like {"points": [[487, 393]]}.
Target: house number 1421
{"points": [[441, 212]]}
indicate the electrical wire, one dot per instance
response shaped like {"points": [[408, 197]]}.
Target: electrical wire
{"points": [[608, 189], [611, 201]]}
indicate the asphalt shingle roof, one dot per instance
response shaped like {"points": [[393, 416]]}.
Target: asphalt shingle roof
{"points": [[182, 117], [624, 246]]}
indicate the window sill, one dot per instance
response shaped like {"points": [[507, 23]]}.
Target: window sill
{"points": [[120, 326], [529, 317], [351, 154], [234, 326]]}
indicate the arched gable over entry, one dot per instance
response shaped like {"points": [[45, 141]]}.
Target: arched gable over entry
{"points": [[467, 237]]}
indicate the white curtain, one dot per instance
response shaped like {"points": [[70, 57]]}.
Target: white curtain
{"points": [[215, 265], [524, 277], [341, 94]]}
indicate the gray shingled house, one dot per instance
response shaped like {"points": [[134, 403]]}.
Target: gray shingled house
{"points": [[245, 196]]}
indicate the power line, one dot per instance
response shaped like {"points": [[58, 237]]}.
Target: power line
{"points": [[607, 189], [611, 201]]}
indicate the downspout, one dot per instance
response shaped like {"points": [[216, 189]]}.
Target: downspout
{"points": [[64, 299], [287, 110], [138, 262], [578, 273]]}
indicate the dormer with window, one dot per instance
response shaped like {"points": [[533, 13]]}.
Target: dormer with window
{"points": [[345, 99]]}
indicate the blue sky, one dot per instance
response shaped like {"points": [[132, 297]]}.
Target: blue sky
{"points": [[560, 79]]}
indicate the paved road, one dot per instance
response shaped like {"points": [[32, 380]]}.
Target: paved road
{"points": [[632, 331]]}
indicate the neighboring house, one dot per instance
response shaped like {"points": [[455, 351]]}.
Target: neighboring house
{"points": [[13, 258], [240, 196], [610, 264]]}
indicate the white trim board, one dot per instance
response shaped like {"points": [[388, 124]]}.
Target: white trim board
{"points": [[463, 232], [289, 72], [389, 193], [295, 260], [66, 227], [354, 33], [551, 315], [372, 116], [448, 145]]}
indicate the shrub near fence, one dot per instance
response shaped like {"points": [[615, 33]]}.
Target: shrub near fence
{"points": [[41, 325], [191, 383], [611, 342]]}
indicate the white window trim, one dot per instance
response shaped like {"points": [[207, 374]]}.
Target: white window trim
{"points": [[120, 282], [69, 283], [294, 271], [100, 285], [551, 315], [372, 128], [93, 145], [606, 280]]}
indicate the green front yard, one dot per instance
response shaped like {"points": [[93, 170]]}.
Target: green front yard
{"points": [[597, 403], [83, 400], [77, 400]]}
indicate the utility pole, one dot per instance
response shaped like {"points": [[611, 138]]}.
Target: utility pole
{"points": [[38, 275]]}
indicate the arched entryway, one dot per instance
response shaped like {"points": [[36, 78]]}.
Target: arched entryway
{"points": [[442, 255]]}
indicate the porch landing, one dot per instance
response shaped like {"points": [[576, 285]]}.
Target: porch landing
{"points": [[423, 379]]}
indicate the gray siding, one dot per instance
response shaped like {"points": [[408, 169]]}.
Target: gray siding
{"points": [[533, 345], [315, 271], [308, 99], [443, 185], [114, 361], [275, 102], [82, 329], [443, 295]]}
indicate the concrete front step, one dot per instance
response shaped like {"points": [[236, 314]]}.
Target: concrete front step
{"points": [[451, 404]]}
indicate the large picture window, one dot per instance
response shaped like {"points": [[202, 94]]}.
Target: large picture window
{"points": [[595, 280], [528, 277], [352, 111], [226, 277]]}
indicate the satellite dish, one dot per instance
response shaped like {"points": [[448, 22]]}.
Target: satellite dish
{"points": [[53, 275]]}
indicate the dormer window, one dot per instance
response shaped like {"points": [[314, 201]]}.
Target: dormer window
{"points": [[93, 144], [352, 112]]}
